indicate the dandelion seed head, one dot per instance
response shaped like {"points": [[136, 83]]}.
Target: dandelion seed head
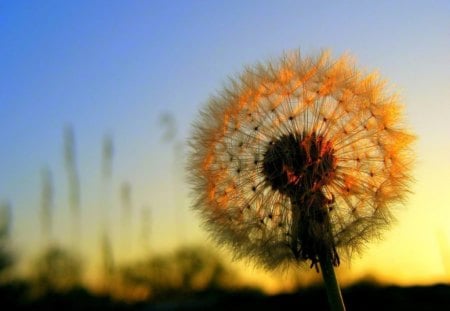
{"points": [[297, 156]]}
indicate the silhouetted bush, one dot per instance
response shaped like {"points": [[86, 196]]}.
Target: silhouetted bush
{"points": [[182, 273], [55, 270]]}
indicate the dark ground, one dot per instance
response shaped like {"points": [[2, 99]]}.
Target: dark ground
{"points": [[363, 296]]}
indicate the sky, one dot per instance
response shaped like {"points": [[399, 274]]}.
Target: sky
{"points": [[119, 69]]}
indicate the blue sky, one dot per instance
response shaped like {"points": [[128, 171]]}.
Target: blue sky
{"points": [[114, 67]]}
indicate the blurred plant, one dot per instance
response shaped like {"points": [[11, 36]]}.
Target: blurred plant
{"points": [[46, 205], [127, 209], [106, 250], [107, 157], [299, 158], [188, 270], [199, 269], [125, 199], [6, 257], [108, 264], [73, 182], [56, 270], [5, 220], [168, 122], [106, 182]]}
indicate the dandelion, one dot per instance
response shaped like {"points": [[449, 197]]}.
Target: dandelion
{"points": [[299, 160]]}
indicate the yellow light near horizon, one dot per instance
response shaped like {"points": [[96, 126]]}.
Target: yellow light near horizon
{"points": [[415, 250]]}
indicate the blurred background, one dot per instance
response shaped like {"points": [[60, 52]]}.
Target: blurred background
{"points": [[97, 99]]}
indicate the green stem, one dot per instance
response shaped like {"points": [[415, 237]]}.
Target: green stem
{"points": [[329, 278]]}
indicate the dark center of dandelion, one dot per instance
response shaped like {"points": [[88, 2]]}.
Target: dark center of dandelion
{"points": [[299, 163], [298, 166]]}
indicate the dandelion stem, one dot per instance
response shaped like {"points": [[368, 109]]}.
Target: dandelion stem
{"points": [[331, 285]]}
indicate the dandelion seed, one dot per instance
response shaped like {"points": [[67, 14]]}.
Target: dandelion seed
{"points": [[299, 159]]}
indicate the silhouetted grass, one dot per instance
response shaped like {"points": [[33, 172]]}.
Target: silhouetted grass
{"points": [[361, 296]]}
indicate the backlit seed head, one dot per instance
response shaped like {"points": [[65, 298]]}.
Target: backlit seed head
{"points": [[299, 156]]}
